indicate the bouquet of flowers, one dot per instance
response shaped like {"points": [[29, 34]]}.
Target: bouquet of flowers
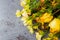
{"points": [[42, 17]]}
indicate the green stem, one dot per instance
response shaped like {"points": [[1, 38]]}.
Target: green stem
{"points": [[56, 11]]}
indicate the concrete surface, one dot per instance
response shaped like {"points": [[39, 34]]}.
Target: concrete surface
{"points": [[11, 27]]}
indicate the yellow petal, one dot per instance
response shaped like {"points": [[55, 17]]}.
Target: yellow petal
{"points": [[55, 25], [29, 22], [23, 18], [30, 29], [18, 13], [23, 3], [38, 36], [46, 17], [25, 14]]}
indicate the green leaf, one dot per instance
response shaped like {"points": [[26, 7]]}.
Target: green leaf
{"points": [[41, 33], [58, 17], [58, 6]]}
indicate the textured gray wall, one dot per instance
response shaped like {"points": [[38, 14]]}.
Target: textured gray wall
{"points": [[11, 28]]}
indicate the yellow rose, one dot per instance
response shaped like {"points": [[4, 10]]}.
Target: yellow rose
{"points": [[55, 25]]}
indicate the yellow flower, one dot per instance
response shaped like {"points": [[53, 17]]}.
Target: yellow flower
{"points": [[27, 7], [38, 36], [25, 14], [30, 29], [29, 22], [18, 13], [24, 19], [46, 17], [55, 25], [23, 3]]}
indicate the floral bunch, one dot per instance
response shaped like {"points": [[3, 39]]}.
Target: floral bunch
{"points": [[42, 17]]}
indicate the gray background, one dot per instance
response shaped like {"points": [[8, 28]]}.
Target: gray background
{"points": [[11, 27]]}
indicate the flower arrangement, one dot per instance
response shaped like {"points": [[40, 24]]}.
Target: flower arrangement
{"points": [[42, 17]]}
